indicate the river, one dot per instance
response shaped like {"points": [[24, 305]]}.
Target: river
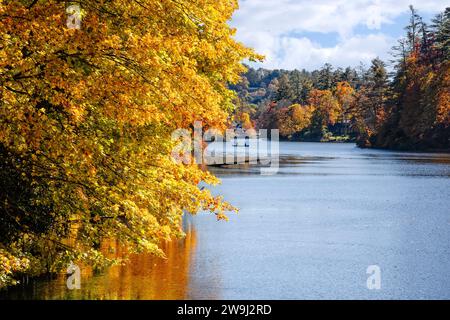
{"points": [[309, 232]]}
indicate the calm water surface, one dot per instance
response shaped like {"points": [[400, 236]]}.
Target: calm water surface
{"points": [[310, 232]]}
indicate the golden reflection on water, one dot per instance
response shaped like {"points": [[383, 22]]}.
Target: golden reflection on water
{"points": [[143, 277]]}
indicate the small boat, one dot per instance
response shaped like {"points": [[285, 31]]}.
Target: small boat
{"points": [[238, 151]]}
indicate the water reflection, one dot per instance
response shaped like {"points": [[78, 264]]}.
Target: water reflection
{"points": [[143, 277]]}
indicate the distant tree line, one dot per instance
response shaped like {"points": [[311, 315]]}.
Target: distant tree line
{"points": [[408, 108]]}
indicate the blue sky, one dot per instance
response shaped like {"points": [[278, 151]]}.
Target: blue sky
{"points": [[308, 33]]}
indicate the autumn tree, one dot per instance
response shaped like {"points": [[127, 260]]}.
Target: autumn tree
{"points": [[246, 121], [86, 117], [293, 119], [345, 95], [326, 110]]}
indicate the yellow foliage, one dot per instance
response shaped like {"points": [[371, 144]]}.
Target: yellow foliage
{"points": [[90, 112], [294, 119], [443, 109], [326, 105], [246, 121]]}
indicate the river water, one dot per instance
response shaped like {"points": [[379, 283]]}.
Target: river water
{"points": [[309, 232]]}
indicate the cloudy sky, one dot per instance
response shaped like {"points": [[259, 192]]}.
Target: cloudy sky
{"points": [[307, 33]]}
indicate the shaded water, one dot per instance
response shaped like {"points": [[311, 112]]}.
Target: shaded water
{"points": [[309, 232]]}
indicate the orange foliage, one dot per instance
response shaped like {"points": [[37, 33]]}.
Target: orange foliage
{"points": [[326, 105], [443, 108]]}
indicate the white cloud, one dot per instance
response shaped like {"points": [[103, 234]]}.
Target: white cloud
{"points": [[303, 52], [271, 27], [286, 52]]}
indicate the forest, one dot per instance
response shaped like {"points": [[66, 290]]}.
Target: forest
{"points": [[404, 107]]}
